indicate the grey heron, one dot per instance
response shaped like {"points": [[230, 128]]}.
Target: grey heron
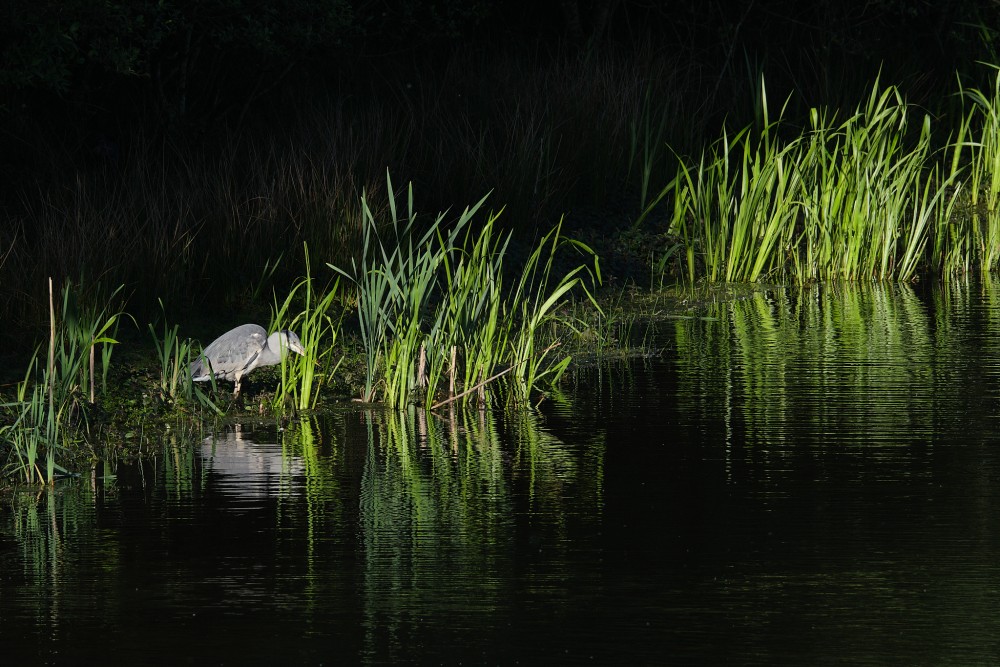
{"points": [[238, 351]]}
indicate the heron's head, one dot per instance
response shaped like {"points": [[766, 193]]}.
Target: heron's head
{"points": [[286, 340]]}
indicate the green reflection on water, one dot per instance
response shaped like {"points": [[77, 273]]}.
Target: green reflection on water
{"points": [[389, 511], [440, 500], [49, 527], [879, 364]]}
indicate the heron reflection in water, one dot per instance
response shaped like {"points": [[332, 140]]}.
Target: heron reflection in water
{"points": [[238, 351]]}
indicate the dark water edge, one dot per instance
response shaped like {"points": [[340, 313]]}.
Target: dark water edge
{"points": [[803, 477]]}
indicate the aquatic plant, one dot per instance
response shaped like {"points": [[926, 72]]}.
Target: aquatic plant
{"points": [[36, 430], [870, 194], [470, 317], [979, 141], [432, 303], [174, 355], [857, 199], [53, 398], [608, 332], [390, 275], [533, 307], [303, 375], [82, 326]]}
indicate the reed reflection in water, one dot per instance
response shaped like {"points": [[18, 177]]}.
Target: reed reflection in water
{"points": [[389, 537]]}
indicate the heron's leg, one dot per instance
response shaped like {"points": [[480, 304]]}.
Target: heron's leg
{"points": [[236, 386]]}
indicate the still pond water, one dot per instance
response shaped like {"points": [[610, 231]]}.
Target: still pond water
{"points": [[801, 477]]}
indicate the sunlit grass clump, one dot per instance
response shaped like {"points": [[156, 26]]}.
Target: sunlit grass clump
{"points": [[174, 355], [979, 226], [441, 319], [865, 198], [59, 387], [302, 376]]}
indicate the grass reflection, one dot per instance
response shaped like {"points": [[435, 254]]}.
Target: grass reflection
{"points": [[50, 528], [871, 365], [440, 502], [411, 519]]}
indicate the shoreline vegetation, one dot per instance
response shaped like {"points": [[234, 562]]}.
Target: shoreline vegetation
{"points": [[591, 197]]}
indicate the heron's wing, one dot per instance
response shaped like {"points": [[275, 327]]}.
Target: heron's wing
{"points": [[249, 352], [201, 369], [232, 354], [251, 362]]}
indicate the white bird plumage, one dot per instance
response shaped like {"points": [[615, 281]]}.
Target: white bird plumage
{"points": [[238, 351]]}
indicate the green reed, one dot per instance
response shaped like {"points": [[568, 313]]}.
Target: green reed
{"points": [[858, 199], [75, 333], [395, 280], [80, 328], [35, 433], [470, 317], [375, 279], [495, 330], [534, 306], [870, 193], [53, 397], [980, 135], [433, 306], [174, 356], [303, 375], [413, 274]]}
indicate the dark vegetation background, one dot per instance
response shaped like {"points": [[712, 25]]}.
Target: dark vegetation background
{"points": [[180, 148]]}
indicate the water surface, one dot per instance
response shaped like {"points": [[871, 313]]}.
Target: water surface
{"points": [[802, 477]]}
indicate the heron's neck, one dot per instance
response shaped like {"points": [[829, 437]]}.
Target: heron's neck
{"points": [[274, 352]]}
